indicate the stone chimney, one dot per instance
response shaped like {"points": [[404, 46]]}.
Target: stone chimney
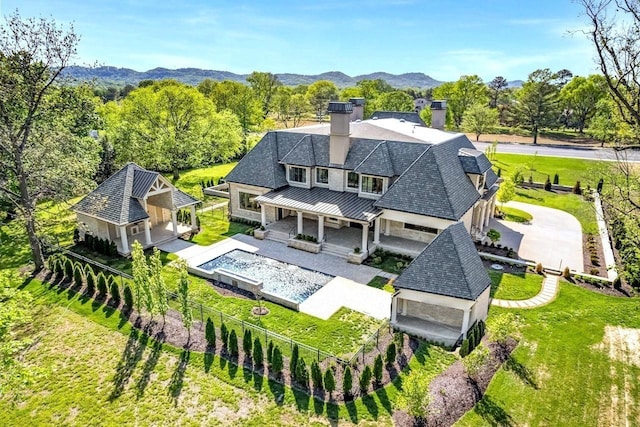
{"points": [[358, 109], [438, 114], [340, 113]]}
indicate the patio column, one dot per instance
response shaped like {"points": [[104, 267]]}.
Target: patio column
{"points": [[320, 228], [480, 224], [365, 237], [174, 221], [493, 207], [300, 223], [404, 307], [488, 214], [263, 216], [394, 308], [147, 232], [194, 218], [387, 227], [465, 322], [376, 231], [123, 238]]}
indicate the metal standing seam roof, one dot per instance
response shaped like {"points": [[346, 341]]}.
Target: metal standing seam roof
{"points": [[449, 265], [323, 201]]}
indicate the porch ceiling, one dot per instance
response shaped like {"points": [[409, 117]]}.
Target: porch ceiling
{"points": [[322, 201]]}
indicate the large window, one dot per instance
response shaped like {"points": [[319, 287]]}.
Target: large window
{"points": [[322, 175], [421, 228], [352, 180], [247, 202], [297, 174], [371, 184]]}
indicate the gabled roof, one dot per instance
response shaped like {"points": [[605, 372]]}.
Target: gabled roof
{"points": [[434, 185], [491, 179], [449, 265], [301, 154], [116, 199], [408, 116], [378, 162], [473, 161], [260, 166]]}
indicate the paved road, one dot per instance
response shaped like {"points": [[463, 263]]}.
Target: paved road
{"points": [[575, 152]]}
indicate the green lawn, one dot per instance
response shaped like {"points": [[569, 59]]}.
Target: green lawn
{"points": [[571, 203], [381, 283], [514, 286], [515, 215], [563, 374], [539, 167], [189, 180], [214, 227], [98, 368]]}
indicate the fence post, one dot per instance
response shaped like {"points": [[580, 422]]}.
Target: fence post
{"points": [[318, 355], [377, 335], [221, 321], [290, 344], [363, 354], [201, 317]]}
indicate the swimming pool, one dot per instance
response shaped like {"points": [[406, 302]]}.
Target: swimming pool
{"points": [[278, 278]]}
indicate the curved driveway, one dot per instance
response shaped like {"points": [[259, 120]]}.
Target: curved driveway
{"points": [[553, 237]]}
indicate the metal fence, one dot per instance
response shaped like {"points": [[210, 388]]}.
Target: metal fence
{"points": [[202, 312]]}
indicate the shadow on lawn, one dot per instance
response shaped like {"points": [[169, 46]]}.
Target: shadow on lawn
{"points": [[526, 376], [177, 378], [493, 413], [147, 369], [131, 355]]}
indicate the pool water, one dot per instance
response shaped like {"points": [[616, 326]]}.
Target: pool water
{"points": [[282, 279]]}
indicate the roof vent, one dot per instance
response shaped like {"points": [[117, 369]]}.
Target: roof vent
{"points": [[358, 121], [374, 117], [340, 107], [402, 120]]}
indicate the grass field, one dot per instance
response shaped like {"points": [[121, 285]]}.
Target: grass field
{"points": [[539, 167], [577, 365], [514, 286], [515, 215], [189, 180]]}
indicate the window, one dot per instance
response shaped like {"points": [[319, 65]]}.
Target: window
{"points": [[297, 174], [352, 180], [371, 184], [247, 202], [421, 228], [322, 175], [481, 181]]}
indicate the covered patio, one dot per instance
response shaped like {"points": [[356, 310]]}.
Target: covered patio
{"points": [[159, 234]]}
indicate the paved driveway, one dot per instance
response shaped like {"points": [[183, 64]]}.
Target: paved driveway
{"points": [[553, 237]]}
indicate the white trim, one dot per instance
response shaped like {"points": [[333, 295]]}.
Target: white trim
{"points": [[315, 178], [308, 177], [366, 195], [254, 192]]}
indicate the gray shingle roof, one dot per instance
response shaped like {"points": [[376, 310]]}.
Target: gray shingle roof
{"points": [[378, 162], [434, 185], [322, 201], [449, 265], [302, 154], [260, 166], [409, 116], [491, 179], [473, 161], [182, 199], [116, 199]]}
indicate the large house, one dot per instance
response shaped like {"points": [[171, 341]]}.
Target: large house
{"points": [[135, 204], [389, 182]]}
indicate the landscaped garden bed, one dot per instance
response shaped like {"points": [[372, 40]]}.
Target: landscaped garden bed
{"points": [[388, 261]]}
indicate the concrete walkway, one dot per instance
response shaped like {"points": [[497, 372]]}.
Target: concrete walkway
{"points": [[553, 237], [546, 295]]}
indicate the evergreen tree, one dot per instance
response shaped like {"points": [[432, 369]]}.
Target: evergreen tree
{"points": [[224, 335], [293, 363], [464, 348], [233, 343], [102, 285], [258, 357], [210, 333], [77, 275], [114, 291], [91, 283], [276, 363], [329, 382], [68, 269], [302, 374], [377, 371], [270, 352], [128, 297], [316, 375], [247, 342], [365, 379], [347, 382], [391, 354]]}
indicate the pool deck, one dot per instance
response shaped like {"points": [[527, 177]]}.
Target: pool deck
{"points": [[347, 289]]}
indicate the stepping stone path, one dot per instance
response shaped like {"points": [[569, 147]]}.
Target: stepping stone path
{"points": [[546, 295]]}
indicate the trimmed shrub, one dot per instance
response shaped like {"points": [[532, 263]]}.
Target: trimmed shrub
{"points": [[127, 296], [377, 371], [539, 268], [270, 353], [210, 333], [293, 363], [566, 273], [78, 275], [258, 357], [316, 375], [233, 343], [556, 179], [224, 335], [68, 269], [473, 342], [347, 382], [302, 373], [617, 283], [102, 284], [329, 381], [276, 361], [547, 184], [91, 283], [576, 188], [365, 379], [482, 327], [464, 348], [391, 354], [247, 342], [114, 290]]}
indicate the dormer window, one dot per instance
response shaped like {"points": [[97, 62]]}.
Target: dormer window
{"points": [[480, 181], [371, 185], [297, 174], [322, 176], [352, 180]]}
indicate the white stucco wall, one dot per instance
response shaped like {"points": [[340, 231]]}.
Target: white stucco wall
{"points": [[481, 308], [96, 226]]}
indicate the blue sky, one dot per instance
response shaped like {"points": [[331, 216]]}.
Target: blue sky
{"points": [[444, 39]]}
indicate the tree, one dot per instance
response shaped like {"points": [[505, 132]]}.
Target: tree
{"points": [[233, 343], [507, 191], [183, 297], [257, 355], [580, 98], [277, 363], [44, 125], [270, 353], [114, 290], [496, 87], [157, 295], [605, 124], [298, 108], [302, 373], [538, 101], [394, 101], [329, 382], [78, 275], [247, 343], [224, 335], [320, 93], [365, 380], [127, 296], [210, 333], [91, 283], [414, 397], [390, 358], [170, 126], [347, 382], [377, 370], [293, 362], [236, 98], [316, 375], [493, 235], [479, 119], [102, 285], [461, 95], [264, 87], [140, 272]]}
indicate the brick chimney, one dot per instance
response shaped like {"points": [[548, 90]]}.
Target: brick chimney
{"points": [[340, 113], [438, 114], [358, 109]]}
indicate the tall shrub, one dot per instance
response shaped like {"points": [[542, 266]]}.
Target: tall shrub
{"points": [[276, 362], [114, 291], [183, 296], [77, 275], [159, 287], [329, 382], [224, 335], [233, 343], [102, 285], [316, 375], [127, 296], [347, 382], [302, 373], [68, 269], [270, 352], [140, 271], [365, 379], [258, 357], [293, 362], [377, 370], [91, 283], [391, 354], [247, 342], [210, 333]]}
